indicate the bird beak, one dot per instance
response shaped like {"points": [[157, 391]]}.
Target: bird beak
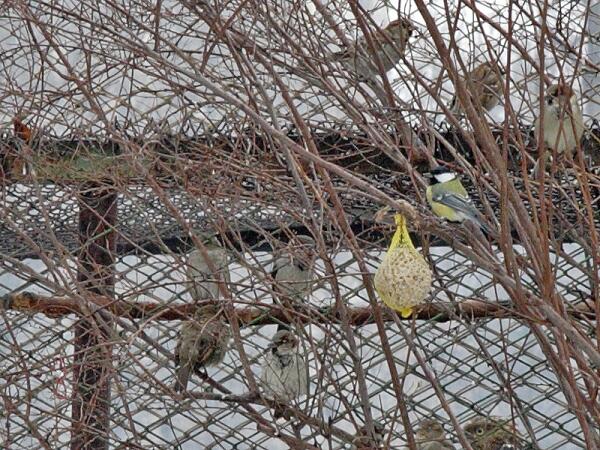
{"points": [[427, 175]]}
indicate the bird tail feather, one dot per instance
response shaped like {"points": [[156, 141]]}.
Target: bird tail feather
{"points": [[183, 375], [279, 412]]}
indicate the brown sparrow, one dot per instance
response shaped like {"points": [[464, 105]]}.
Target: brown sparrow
{"points": [[364, 440], [431, 436], [284, 372], [203, 342], [492, 434], [562, 127], [203, 283], [294, 272], [389, 45], [484, 86]]}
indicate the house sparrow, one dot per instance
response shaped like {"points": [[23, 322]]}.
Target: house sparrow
{"points": [[203, 342], [562, 127], [484, 86], [364, 440], [284, 372], [203, 283], [293, 272], [431, 436], [403, 279], [492, 434], [389, 43]]}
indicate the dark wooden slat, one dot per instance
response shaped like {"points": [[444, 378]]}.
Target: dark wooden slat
{"points": [[92, 365]]}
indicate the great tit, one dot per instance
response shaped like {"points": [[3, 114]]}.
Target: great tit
{"points": [[449, 199]]}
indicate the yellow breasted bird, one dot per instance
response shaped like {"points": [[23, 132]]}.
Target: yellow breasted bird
{"points": [[403, 280], [449, 199]]}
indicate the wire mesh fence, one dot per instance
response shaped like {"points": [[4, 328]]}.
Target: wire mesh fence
{"points": [[135, 131]]}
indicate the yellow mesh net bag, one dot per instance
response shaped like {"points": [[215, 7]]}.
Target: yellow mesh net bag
{"points": [[403, 280]]}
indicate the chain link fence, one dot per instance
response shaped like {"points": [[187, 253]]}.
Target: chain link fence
{"points": [[151, 124]]}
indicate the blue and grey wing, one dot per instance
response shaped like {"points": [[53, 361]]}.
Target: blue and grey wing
{"points": [[462, 207]]}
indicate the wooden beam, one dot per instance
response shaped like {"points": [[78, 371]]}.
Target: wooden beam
{"points": [[467, 309], [76, 160], [92, 365], [173, 159]]}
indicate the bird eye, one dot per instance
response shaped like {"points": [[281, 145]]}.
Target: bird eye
{"points": [[479, 431]]}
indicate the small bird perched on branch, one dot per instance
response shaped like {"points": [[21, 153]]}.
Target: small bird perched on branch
{"points": [[389, 44], [364, 440], [449, 199], [284, 371], [294, 272], [562, 126], [492, 434], [203, 283], [403, 279], [431, 436], [203, 342], [484, 86]]}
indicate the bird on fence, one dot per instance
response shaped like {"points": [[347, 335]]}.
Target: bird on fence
{"points": [[431, 436], [284, 370], [365, 441], [203, 342], [203, 283], [403, 279], [294, 273], [484, 87], [492, 434], [449, 199], [389, 46], [562, 126]]}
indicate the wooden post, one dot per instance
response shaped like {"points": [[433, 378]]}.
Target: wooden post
{"points": [[92, 364], [591, 78]]}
